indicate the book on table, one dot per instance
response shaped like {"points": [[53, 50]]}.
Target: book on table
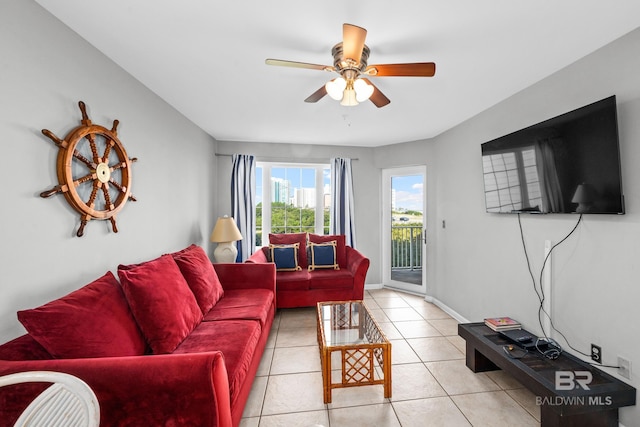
{"points": [[502, 323]]}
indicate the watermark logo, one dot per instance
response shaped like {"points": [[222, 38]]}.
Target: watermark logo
{"points": [[574, 380], [569, 380]]}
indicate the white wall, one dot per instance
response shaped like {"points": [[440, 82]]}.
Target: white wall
{"points": [[45, 69], [481, 270], [366, 183], [476, 265]]}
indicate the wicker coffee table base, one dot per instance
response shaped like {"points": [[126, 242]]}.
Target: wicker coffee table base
{"points": [[359, 362]]}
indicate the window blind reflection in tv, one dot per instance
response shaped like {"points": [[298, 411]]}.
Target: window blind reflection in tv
{"points": [[567, 164]]}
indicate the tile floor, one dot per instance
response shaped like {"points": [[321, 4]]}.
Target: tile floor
{"points": [[431, 384]]}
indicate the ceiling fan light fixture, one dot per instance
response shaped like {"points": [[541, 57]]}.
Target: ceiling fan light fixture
{"points": [[351, 62], [349, 97], [363, 90], [336, 87]]}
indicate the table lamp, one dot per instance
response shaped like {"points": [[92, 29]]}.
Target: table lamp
{"points": [[584, 196], [225, 233]]}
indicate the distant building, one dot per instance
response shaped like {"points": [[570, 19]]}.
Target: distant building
{"points": [[304, 198], [280, 190]]}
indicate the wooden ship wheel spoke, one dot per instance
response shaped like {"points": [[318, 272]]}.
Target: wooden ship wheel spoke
{"points": [[96, 186]]}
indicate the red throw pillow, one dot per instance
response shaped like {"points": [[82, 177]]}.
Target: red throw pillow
{"points": [[200, 275], [161, 302], [93, 321], [341, 248], [289, 239]]}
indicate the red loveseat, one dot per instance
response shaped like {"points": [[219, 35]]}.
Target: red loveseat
{"points": [[176, 342], [307, 286]]}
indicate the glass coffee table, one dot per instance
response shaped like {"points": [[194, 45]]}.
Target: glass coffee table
{"points": [[347, 327]]}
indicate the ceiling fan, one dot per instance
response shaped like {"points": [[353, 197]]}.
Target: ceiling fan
{"points": [[350, 61]]}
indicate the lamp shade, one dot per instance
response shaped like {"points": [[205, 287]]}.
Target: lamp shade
{"points": [[584, 194], [225, 230], [363, 90], [335, 88]]}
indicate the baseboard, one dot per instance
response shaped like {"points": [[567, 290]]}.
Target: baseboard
{"points": [[451, 312]]}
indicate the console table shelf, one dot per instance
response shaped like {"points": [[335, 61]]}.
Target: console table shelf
{"points": [[594, 405]]}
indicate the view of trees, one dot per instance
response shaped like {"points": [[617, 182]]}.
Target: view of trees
{"points": [[408, 212], [286, 218]]}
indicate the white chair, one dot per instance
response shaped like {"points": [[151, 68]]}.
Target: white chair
{"points": [[68, 402]]}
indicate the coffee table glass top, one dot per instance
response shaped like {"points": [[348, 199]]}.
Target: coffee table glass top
{"points": [[348, 323]]}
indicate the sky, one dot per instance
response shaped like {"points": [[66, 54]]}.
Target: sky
{"points": [[299, 178], [408, 192], [408, 189]]}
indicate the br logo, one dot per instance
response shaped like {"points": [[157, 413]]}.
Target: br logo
{"points": [[569, 380]]}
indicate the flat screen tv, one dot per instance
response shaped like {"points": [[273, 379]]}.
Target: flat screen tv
{"points": [[567, 164]]}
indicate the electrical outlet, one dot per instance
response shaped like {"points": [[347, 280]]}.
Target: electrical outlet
{"points": [[596, 353], [624, 367]]}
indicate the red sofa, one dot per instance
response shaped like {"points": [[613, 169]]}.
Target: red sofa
{"points": [[176, 342], [306, 287]]}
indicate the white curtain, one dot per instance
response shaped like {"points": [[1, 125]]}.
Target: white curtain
{"points": [[342, 218], [548, 175], [243, 206]]}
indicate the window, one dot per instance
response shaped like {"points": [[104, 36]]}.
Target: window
{"points": [[511, 180], [291, 198]]}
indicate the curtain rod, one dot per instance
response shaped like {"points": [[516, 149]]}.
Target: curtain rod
{"points": [[282, 159]]}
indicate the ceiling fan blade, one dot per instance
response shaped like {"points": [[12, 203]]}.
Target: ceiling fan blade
{"points": [[378, 98], [285, 63], [416, 69], [317, 95], [353, 41]]}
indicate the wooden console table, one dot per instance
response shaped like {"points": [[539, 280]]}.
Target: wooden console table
{"points": [[593, 402]]}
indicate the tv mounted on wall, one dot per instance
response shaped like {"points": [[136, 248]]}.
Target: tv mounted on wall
{"points": [[567, 164]]}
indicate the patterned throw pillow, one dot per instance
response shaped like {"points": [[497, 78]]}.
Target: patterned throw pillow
{"points": [[341, 250], [322, 255], [290, 239], [285, 257]]}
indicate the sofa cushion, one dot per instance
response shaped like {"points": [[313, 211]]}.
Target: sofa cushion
{"points": [[289, 239], [240, 304], [330, 279], [200, 276], [93, 321], [236, 339], [341, 247], [161, 302], [292, 280], [285, 257], [24, 347], [322, 255]]}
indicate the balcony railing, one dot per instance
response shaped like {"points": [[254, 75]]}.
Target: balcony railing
{"points": [[406, 247]]}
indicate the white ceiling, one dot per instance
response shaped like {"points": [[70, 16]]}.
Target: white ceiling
{"points": [[206, 58]]}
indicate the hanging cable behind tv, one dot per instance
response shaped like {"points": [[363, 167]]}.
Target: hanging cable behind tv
{"points": [[545, 345]]}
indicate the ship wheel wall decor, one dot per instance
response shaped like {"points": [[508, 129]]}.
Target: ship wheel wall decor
{"points": [[94, 171]]}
